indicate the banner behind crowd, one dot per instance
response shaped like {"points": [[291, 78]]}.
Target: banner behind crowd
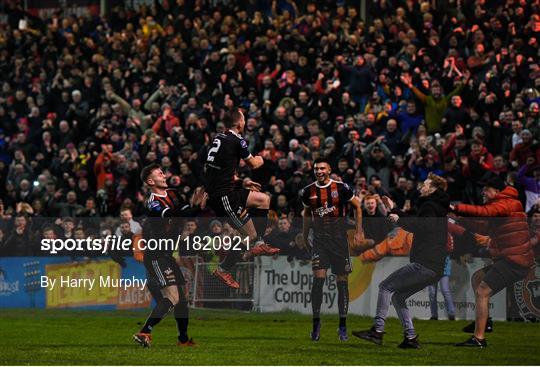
{"points": [[286, 287]]}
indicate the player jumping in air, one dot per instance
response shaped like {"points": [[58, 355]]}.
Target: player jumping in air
{"points": [[162, 268], [325, 203], [229, 200]]}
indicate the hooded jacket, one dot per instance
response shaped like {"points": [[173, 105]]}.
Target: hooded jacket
{"points": [[430, 230], [510, 237]]}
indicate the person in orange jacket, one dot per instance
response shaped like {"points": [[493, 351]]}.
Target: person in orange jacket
{"points": [[397, 243], [509, 245]]}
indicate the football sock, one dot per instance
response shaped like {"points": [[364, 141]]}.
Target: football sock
{"points": [[181, 315], [316, 321], [161, 309], [343, 302], [316, 298], [260, 220], [230, 260]]}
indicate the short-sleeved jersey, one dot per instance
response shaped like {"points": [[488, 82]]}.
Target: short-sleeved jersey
{"points": [[328, 204], [222, 162]]}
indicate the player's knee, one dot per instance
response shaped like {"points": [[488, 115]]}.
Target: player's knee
{"points": [[483, 290], [172, 295], [477, 278], [174, 299], [397, 299]]}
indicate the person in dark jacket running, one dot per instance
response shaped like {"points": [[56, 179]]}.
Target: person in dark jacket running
{"points": [[428, 253]]}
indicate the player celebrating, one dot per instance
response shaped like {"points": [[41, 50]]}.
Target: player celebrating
{"points": [[509, 245], [227, 200], [160, 264], [325, 203]]}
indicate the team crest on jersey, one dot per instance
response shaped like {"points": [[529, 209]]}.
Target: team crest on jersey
{"points": [[154, 205], [334, 194]]}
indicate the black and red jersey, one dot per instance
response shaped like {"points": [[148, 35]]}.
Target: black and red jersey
{"points": [[328, 204], [222, 162], [158, 205], [164, 221]]}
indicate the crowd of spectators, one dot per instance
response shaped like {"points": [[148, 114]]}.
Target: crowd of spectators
{"points": [[444, 86]]}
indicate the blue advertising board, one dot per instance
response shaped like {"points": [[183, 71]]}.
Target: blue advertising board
{"points": [[27, 282]]}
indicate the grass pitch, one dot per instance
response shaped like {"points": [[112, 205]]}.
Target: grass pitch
{"points": [[65, 337]]}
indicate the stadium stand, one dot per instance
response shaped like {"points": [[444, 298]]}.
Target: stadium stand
{"points": [[450, 87]]}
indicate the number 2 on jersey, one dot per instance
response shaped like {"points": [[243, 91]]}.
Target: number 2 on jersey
{"points": [[212, 151]]}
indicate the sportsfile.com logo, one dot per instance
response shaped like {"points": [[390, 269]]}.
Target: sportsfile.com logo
{"points": [[119, 243]]}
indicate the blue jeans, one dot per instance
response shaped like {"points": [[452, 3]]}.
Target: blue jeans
{"points": [[399, 286], [444, 285]]}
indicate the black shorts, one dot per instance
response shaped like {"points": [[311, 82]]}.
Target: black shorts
{"points": [[232, 206], [332, 254], [164, 271], [503, 273]]}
